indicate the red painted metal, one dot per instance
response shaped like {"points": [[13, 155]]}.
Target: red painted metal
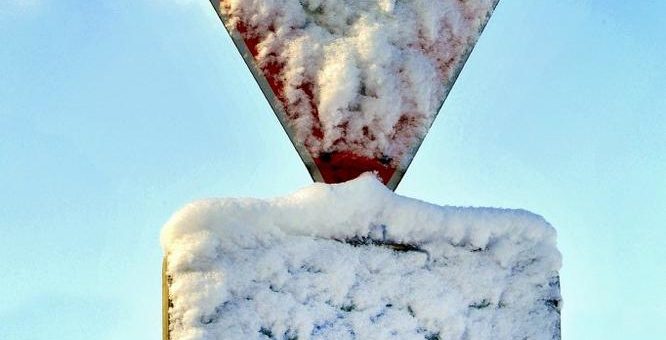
{"points": [[333, 167]]}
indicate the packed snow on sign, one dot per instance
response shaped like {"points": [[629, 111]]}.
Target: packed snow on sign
{"points": [[365, 77], [356, 261]]}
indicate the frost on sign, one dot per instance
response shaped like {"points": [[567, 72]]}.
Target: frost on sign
{"points": [[356, 261], [356, 84]]}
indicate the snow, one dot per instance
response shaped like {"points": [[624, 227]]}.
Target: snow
{"points": [[356, 261], [378, 69]]}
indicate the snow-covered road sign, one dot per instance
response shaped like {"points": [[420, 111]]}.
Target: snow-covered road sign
{"points": [[357, 261], [355, 84]]}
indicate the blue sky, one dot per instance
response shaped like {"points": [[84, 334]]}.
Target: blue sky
{"points": [[113, 114]]}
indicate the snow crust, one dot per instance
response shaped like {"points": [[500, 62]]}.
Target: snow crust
{"points": [[378, 69], [356, 261]]}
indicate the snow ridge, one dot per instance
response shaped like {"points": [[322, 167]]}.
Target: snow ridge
{"points": [[356, 261]]}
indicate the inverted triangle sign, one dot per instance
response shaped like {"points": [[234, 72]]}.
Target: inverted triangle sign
{"points": [[355, 84]]}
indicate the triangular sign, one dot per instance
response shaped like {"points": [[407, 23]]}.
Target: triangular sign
{"points": [[355, 84]]}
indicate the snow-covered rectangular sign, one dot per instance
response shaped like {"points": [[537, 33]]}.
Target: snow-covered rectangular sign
{"points": [[356, 261]]}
